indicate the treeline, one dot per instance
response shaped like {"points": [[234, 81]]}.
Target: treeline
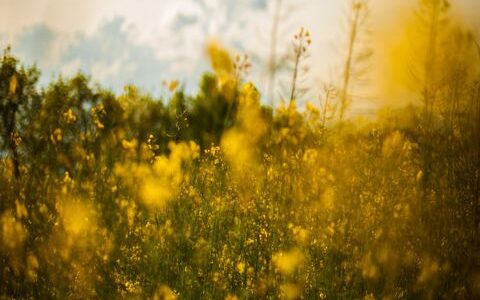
{"points": [[215, 196]]}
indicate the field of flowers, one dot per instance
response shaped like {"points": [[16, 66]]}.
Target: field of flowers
{"points": [[218, 196]]}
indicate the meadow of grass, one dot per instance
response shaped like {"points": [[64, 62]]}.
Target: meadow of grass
{"points": [[218, 196]]}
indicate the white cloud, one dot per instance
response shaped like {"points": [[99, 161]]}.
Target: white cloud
{"points": [[144, 41]]}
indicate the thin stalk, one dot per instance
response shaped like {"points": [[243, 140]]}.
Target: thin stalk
{"points": [[347, 74]]}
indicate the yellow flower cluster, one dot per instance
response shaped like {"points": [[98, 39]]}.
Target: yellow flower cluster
{"points": [[240, 142], [159, 183], [223, 66], [69, 116]]}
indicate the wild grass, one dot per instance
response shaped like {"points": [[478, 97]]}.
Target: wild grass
{"points": [[217, 196]]}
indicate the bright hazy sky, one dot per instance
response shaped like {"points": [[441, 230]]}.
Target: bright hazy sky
{"points": [[147, 41]]}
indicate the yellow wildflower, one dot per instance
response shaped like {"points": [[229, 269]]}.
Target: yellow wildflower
{"points": [[129, 145], [288, 262], [13, 85], [69, 116], [13, 231]]}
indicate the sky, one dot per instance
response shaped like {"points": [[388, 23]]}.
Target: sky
{"points": [[144, 42]]}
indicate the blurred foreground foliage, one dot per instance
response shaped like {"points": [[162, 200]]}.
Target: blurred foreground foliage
{"points": [[214, 196]]}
